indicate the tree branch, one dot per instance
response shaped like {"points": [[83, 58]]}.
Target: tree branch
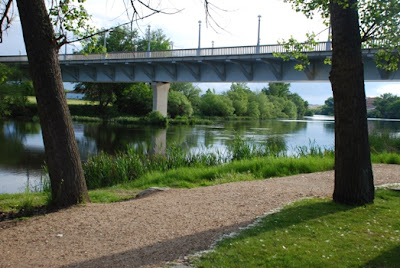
{"points": [[6, 18]]}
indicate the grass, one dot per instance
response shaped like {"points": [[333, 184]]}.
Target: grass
{"points": [[317, 233], [384, 142], [22, 201], [32, 100], [87, 119], [242, 170]]}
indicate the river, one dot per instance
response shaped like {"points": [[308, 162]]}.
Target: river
{"points": [[22, 150]]}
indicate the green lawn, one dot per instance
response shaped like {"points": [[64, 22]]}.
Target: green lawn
{"points": [[32, 100], [317, 233]]}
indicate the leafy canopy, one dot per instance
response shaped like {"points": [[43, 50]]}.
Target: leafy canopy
{"points": [[379, 28]]}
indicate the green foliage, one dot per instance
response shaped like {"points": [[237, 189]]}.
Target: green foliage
{"points": [[135, 99], [386, 106], [316, 233], [103, 93], [178, 104], [241, 148], [384, 142], [277, 89], [295, 49], [156, 118], [239, 94], [191, 92], [70, 16], [216, 105], [13, 91], [285, 104], [379, 27], [158, 41], [327, 109], [120, 39], [5, 72], [300, 104]]}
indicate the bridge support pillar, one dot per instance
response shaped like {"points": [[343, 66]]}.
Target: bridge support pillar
{"points": [[160, 96]]}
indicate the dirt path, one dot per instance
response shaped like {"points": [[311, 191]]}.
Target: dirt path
{"points": [[163, 227]]}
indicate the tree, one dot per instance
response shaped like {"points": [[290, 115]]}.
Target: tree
{"points": [[353, 172], [178, 104], [301, 105], [328, 108], [386, 106], [136, 99], [277, 89], [191, 92], [101, 92], [158, 41], [216, 105], [239, 96], [68, 184]]}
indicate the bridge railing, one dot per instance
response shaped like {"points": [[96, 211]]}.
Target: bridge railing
{"points": [[178, 53]]}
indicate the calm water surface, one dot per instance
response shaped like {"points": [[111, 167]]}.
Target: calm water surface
{"points": [[22, 151]]}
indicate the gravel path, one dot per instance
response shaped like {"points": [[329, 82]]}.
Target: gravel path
{"points": [[162, 227]]}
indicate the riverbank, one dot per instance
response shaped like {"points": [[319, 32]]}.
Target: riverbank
{"points": [[258, 168], [160, 228]]}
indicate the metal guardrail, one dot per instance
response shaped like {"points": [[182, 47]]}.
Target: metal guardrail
{"points": [[181, 53], [177, 53]]}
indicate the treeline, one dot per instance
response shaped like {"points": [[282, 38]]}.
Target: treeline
{"points": [[274, 101], [185, 99], [385, 106]]}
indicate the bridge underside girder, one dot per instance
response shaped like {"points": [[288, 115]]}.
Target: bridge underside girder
{"points": [[202, 69]]}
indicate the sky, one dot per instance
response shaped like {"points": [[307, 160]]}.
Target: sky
{"points": [[238, 21]]}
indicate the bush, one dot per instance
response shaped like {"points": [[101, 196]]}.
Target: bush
{"points": [[179, 105], [156, 118]]}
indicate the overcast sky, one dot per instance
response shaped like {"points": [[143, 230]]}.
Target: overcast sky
{"points": [[239, 25]]}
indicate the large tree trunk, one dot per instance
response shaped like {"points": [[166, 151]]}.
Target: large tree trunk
{"points": [[353, 173], [68, 184]]}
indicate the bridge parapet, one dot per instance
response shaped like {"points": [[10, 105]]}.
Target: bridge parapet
{"points": [[176, 53]]}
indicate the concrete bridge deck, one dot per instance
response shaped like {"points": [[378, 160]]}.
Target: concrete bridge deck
{"points": [[229, 64]]}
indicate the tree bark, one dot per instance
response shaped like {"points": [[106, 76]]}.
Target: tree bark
{"points": [[353, 173], [68, 184]]}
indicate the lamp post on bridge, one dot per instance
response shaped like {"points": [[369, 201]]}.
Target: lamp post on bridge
{"points": [[329, 45], [149, 37], [198, 50], [258, 37]]}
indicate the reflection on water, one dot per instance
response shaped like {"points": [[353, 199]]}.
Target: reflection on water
{"points": [[22, 152]]}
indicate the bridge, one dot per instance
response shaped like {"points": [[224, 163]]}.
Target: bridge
{"points": [[225, 64]]}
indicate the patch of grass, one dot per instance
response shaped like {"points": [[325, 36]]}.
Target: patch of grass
{"points": [[251, 169], [125, 120], [87, 119], [32, 100], [22, 201], [184, 120], [111, 195], [317, 233], [386, 158], [381, 142]]}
